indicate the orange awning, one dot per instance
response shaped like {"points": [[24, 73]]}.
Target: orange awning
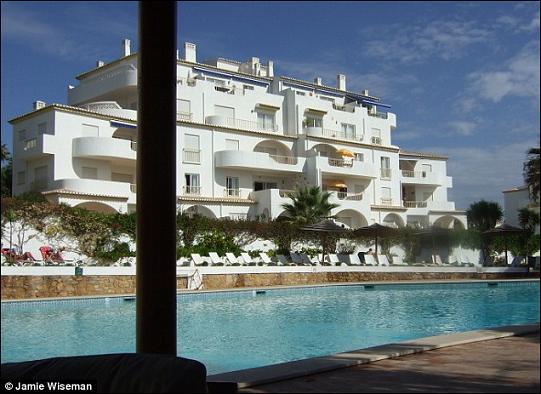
{"points": [[339, 184], [345, 153]]}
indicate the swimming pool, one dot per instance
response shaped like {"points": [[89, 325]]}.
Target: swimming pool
{"points": [[240, 329]]}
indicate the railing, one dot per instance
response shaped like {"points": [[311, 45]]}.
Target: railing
{"points": [[413, 174], [385, 172], [240, 124], [232, 192], [414, 204], [133, 187], [284, 159], [133, 146], [191, 156], [382, 115], [285, 193], [386, 201], [186, 81], [224, 89], [339, 134], [340, 162], [192, 190], [343, 108], [184, 116], [349, 196], [30, 143], [376, 140]]}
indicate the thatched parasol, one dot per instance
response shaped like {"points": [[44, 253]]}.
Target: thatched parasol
{"points": [[505, 230]]}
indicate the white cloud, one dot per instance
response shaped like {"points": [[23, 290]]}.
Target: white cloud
{"points": [[483, 172], [462, 127], [519, 76]]}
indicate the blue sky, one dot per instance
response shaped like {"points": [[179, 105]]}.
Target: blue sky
{"points": [[462, 77]]}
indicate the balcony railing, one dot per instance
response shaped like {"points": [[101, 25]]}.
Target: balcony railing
{"points": [[232, 193], [386, 201], [239, 124], [349, 196], [133, 187], [385, 172], [340, 162], [186, 81], [284, 159], [285, 193], [382, 115], [191, 190], [192, 156], [414, 204], [413, 174], [184, 116], [30, 143]]}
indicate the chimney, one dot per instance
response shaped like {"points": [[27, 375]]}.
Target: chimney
{"points": [[99, 63], [270, 69], [255, 65], [317, 80], [125, 47], [38, 105], [341, 82], [190, 52], [364, 92]]}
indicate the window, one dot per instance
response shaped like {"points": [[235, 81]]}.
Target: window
{"points": [[232, 186], [376, 136], [385, 167], [313, 121], [118, 177], [90, 173], [226, 112], [300, 93], [265, 121], [22, 135], [192, 153], [192, 184], [247, 87], [42, 128], [184, 106], [427, 168], [90, 130], [359, 156], [348, 130], [21, 177], [191, 141], [265, 186], [231, 144]]}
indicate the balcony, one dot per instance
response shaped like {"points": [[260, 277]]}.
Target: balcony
{"points": [[111, 108], [430, 205], [235, 193], [337, 166], [191, 190], [271, 200], [349, 196], [123, 78], [386, 201], [104, 148], [186, 81], [420, 177], [414, 204], [381, 115], [314, 131], [191, 156], [258, 161], [242, 124], [39, 146], [96, 186], [184, 116]]}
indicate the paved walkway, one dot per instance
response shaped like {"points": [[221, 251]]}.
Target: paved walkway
{"points": [[495, 366]]}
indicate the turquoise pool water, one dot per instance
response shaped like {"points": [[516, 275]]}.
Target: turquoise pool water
{"points": [[237, 330]]}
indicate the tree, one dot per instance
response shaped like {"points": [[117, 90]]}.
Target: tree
{"points": [[7, 172], [528, 219], [309, 205], [483, 215], [531, 173]]}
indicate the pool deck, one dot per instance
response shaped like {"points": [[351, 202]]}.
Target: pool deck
{"points": [[502, 359]]}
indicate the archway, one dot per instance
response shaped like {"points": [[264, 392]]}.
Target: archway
{"points": [[200, 210], [393, 220], [351, 218], [97, 207], [324, 150], [449, 222], [274, 148]]}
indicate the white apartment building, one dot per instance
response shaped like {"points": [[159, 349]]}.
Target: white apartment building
{"points": [[515, 199], [244, 139]]}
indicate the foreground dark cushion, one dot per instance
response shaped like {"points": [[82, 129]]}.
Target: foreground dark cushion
{"points": [[117, 373]]}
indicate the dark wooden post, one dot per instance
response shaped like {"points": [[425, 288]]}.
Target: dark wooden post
{"points": [[156, 178]]}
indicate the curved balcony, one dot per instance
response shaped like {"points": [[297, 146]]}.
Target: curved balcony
{"points": [[218, 120], [344, 167], [104, 148], [313, 131], [420, 178], [111, 108], [123, 78], [95, 186], [258, 161]]}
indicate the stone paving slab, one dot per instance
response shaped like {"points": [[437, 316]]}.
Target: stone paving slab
{"points": [[504, 365]]}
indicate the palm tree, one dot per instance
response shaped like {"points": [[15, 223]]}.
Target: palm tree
{"points": [[531, 173], [309, 205], [483, 215], [528, 219]]}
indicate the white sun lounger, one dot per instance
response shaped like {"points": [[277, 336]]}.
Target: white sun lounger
{"points": [[383, 260], [232, 258], [305, 260], [334, 260], [246, 258], [283, 259], [296, 258], [369, 259], [197, 259], [216, 260]]}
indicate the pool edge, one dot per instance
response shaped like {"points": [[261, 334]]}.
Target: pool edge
{"points": [[294, 369]]}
